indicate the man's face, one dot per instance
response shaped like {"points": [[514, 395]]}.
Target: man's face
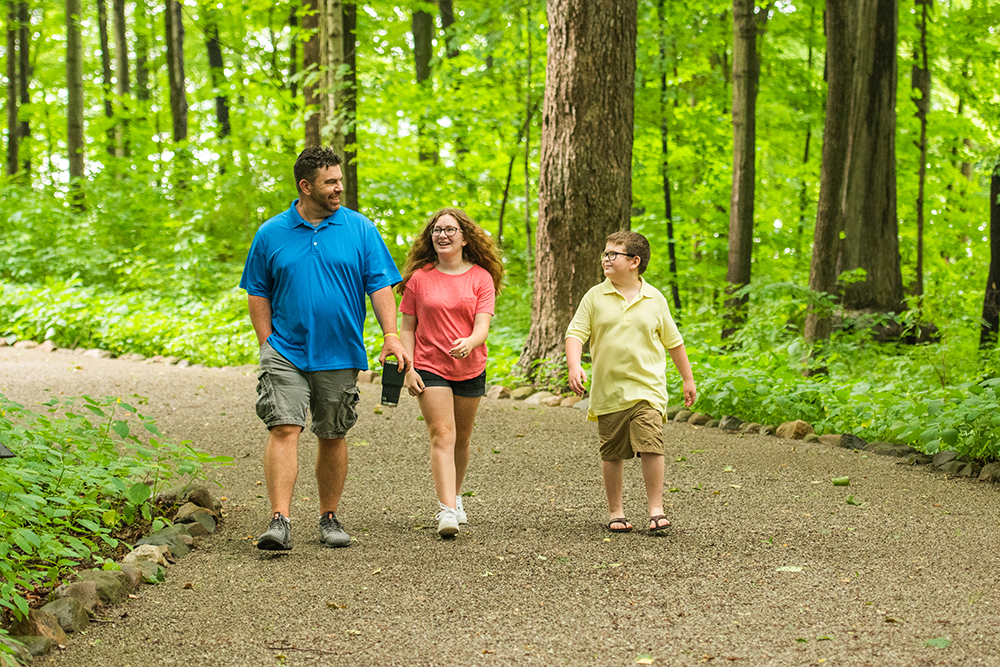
{"points": [[325, 190]]}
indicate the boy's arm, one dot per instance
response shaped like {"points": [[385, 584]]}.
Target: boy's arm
{"points": [[680, 358], [574, 354]]}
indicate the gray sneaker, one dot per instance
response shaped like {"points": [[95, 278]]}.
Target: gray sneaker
{"points": [[278, 536], [331, 533]]}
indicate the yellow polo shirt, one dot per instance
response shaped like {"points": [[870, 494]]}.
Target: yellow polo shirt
{"points": [[628, 344]]}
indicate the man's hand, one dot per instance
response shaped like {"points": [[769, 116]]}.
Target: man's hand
{"points": [[392, 347], [577, 377]]}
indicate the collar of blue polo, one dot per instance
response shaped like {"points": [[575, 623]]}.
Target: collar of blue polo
{"points": [[296, 219]]}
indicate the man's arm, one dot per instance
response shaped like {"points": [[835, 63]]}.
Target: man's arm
{"points": [[260, 317], [680, 358], [384, 305]]}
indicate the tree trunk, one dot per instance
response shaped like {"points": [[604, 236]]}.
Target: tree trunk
{"points": [[668, 209], [746, 73], [122, 75], [175, 69], [870, 225], [447, 11], [217, 70], [527, 133], [332, 128], [350, 92], [585, 185], [106, 86], [24, 76], [311, 66], [423, 36], [141, 30], [988, 333], [12, 90], [921, 83], [459, 125], [841, 33], [74, 106], [293, 51]]}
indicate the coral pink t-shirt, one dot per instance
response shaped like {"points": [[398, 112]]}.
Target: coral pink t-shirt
{"points": [[445, 306]]}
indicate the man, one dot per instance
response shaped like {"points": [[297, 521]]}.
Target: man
{"points": [[306, 277]]}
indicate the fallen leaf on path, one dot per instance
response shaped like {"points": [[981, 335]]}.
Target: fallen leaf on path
{"points": [[938, 642], [789, 568], [352, 631], [334, 605], [188, 586], [645, 661], [378, 571]]}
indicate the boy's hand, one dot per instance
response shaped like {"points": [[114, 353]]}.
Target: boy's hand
{"points": [[690, 393], [577, 376]]}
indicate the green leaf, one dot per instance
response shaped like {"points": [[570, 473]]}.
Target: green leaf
{"points": [[949, 436], [938, 642], [120, 427], [138, 493]]}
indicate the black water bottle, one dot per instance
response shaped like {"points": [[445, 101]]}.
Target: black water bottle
{"points": [[392, 382]]}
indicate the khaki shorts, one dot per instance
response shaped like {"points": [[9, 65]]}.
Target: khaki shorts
{"points": [[284, 393], [638, 429]]}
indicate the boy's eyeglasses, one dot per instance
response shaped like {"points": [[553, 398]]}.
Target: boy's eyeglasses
{"points": [[612, 255], [447, 231]]}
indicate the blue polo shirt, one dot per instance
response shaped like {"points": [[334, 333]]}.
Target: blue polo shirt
{"points": [[316, 279]]}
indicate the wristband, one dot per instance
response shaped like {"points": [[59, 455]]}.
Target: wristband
{"points": [[384, 336]]}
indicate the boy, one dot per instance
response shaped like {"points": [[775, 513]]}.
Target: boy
{"points": [[630, 330]]}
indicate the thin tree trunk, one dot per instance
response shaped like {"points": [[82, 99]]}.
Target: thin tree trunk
{"points": [[175, 69], [841, 32], [503, 202], [25, 73], [106, 86], [217, 70], [423, 35], [74, 106], [293, 51], [350, 92], [988, 333], [311, 66], [527, 134], [459, 126], [585, 183], [668, 210], [333, 54], [747, 26], [122, 75], [141, 30], [804, 188], [921, 83], [13, 135]]}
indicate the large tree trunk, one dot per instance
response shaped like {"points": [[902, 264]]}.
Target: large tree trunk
{"points": [[841, 33], [423, 36], [351, 104], [293, 52], [988, 334], [746, 73], [106, 86], [311, 60], [333, 56], [870, 225], [668, 210], [24, 76], [12, 91], [74, 97], [921, 83], [175, 69], [122, 75], [141, 29], [585, 189]]}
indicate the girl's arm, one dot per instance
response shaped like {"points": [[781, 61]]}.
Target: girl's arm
{"points": [[480, 330], [407, 336]]}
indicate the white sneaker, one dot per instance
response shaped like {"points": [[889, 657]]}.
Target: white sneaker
{"points": [[460, 510], [447, 520]]}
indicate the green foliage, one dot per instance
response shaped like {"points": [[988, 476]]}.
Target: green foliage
{"points": [[82, 471]]}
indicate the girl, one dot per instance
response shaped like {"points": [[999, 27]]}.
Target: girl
{"points": [[449, 288]]}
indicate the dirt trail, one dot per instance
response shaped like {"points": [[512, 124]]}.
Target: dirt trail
{"points": [[766, 564]]}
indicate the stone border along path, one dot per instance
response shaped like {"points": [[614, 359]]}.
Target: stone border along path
{"points": [[767, 563]]}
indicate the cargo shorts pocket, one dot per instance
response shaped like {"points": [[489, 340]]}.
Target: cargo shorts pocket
{"points": [[265, 397], [347, 411]]}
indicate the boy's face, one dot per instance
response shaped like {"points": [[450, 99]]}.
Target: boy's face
{"points": [[622, 265]]}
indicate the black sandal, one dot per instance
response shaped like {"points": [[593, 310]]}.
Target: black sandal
{"points": [[655, 520], [623, 521]]}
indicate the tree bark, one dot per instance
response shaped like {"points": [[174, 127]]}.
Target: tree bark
{"points": [[585, 185], [217, 70], [921, 83], [350, 92], [747, 26], [293, 51], [841, 33], [13, 135], [988, 333], [24, 76], [123, 86], [423, 36], [527, 132], [175, 69], [141, 29], [332, 126], [311, 60], [74, 106], [106, 86], [668, 210], [870, 225]]}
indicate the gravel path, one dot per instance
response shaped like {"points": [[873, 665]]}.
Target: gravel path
{"points": [[766, 564]]}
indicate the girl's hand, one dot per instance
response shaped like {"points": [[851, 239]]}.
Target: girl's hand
{"points": [[413, 383], [462, 348]]}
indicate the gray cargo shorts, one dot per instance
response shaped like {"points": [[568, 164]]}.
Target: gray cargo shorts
{"points": [[284, 393]]}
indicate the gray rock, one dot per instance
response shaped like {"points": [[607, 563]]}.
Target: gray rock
{"points": [[171, 360], [683, 416], [990, 473], [919, 458], [202, 497], [170, 537], [97, 354], [713, 423], [810, 437], [699, 419], [537, 397], [570, 401], [730, 423], [960, 468], [889, 449], [851, 441], [36, 646], [25, 345], [15, 643], [152, 572], [550, 401], [830, 440], [39, 623], [583, 405], [768, 429], [110, 589], [795, 430], [749, 427], [70, 613], [497, 392], [672, 411], [84, 592], [183, 363], [47, 346], [147, 552], [201, 518], [133, 573], [522, 393], [947, 456]]}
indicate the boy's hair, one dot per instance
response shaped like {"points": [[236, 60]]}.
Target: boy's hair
{"points": [[635, 244], [311, 160]]}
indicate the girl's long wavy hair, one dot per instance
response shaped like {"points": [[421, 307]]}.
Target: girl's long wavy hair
{"points": [[479, 249]]}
